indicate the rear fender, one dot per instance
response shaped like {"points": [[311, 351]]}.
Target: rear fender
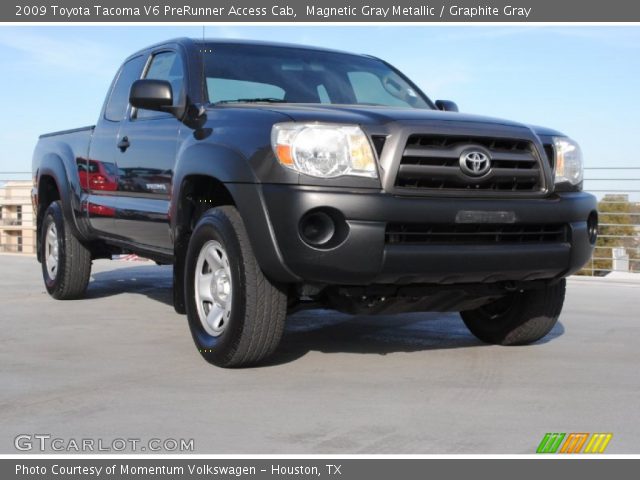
{"points": [[68, 186]]}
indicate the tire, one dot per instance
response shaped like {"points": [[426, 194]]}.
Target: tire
{"points": [[520, 318], [66, 263], [236, 315]]}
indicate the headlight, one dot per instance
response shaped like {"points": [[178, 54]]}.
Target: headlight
{"points": [[323, 150], [568, 161]]}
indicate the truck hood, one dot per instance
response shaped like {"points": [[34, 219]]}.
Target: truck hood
{"points": [[371, 115]]}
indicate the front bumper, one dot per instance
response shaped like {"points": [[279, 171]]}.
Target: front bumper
{"points": [[364, 257]]}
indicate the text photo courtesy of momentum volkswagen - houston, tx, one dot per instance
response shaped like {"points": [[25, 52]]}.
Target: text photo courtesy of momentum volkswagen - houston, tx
{"points": [[309, 236]]}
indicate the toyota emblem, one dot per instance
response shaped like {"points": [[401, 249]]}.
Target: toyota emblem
{"points": [[475, 163]]}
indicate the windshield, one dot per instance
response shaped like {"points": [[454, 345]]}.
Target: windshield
{"points": [[257, 73]]}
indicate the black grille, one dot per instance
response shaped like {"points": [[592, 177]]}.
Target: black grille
{"points": [[432, 162], [473, 234]]}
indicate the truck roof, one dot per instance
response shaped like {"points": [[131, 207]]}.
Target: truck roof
{"points": [[192, 42]]}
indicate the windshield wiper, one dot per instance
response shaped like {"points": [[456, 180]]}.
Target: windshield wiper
{"points": [[253, 100]]}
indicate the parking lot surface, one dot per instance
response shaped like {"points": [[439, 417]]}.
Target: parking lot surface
{"points": [[121, 364]]}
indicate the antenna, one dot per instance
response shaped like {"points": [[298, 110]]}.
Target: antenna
{"points": [[204, 78]]}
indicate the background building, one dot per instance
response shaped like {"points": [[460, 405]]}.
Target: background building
{"points": [[17, 222]]}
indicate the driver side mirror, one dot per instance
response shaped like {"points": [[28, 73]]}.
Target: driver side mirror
{"points": [[446, 105], [151, 95]]}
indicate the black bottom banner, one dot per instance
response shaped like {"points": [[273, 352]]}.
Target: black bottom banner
{"points": [[343, 469]]}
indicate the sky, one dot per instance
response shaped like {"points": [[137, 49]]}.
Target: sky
{"points": [[581, 80]]}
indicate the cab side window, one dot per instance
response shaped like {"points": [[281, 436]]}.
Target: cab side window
{"points": [[119, 96], [165, 66]]}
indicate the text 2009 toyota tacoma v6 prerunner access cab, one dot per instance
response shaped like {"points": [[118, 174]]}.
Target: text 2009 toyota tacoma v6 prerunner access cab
{"points": [[277, 177]]}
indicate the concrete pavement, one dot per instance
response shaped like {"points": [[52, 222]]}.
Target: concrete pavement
{"points": [[121, 364]]}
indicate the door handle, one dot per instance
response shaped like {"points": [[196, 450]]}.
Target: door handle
{"points": [[124, 144]]}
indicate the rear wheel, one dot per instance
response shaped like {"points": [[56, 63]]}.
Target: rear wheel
{"points": [[66, 263], [236, 315], [519, 318]]}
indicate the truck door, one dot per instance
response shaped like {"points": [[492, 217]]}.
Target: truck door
{"points": [[145, 157], [99, 175]]}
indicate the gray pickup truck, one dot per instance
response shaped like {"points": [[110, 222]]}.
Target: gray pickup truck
{"points": [[278, 177]]}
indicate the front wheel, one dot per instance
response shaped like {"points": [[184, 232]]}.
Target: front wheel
{"points": [[236, 315], [519, 318]]}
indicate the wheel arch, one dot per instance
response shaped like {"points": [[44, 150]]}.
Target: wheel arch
{"points": [[53, 184], [197, 193], [206, 176]]}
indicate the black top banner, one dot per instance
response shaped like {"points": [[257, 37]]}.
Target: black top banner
{"points": [[306, 11]]}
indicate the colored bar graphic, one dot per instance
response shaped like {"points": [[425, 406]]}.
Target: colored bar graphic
{"points": [[550, 443], [598, 443], [574, 442]]}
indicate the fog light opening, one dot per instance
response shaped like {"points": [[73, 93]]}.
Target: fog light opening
{"points": [[592, 227], [317, 228]]}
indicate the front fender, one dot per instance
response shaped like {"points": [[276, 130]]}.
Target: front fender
{"points": [[233, 170], [221, 163], [224, 163]]}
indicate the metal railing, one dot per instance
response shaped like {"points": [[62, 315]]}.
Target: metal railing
{"points": [[14, 200], [14, 176], [26, 248], [618, 246], [10, 222]]}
